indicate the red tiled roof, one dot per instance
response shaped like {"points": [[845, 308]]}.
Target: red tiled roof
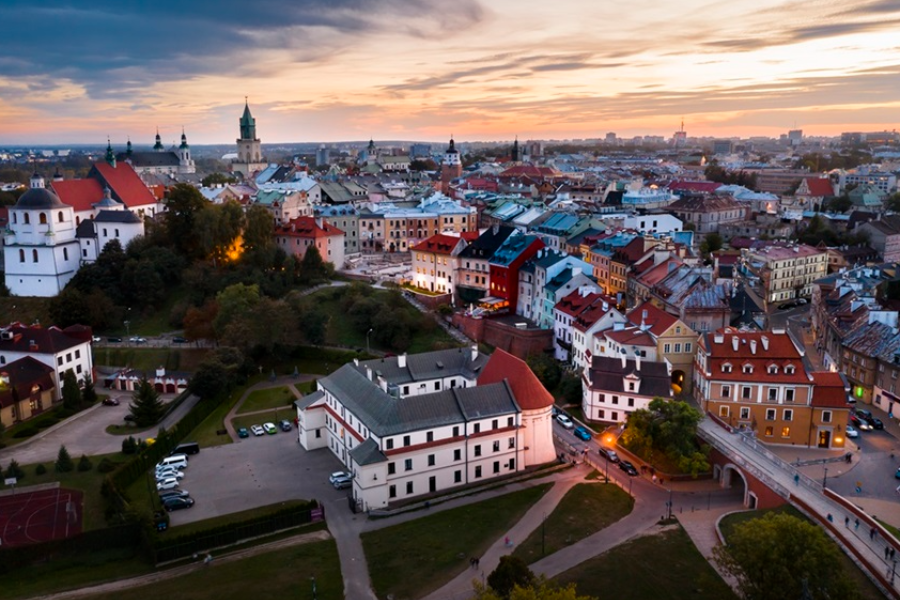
{"points": [[633, 250], [593, 313], [51, 340], [655, 274], [23, 375], [469, 236], [530, 393], [438, 244], [819, 186], [706, 187], [80, 194], [630, 335], [658, 319], [125, 183], [829, 390], [306, 227]]}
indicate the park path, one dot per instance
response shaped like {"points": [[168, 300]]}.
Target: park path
{"points": [[122, 585]]}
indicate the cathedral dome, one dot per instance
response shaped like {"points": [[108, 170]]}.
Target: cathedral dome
{"points": [[39, 197]]}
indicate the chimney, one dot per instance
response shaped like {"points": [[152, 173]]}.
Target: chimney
{"points": [[735, 342], [752, 346], [765, 343], [637, 360], [401, 361], [605, 306], [474, 352], [160, 371], [356, 362], [382, 383], [369, 373], [32, 345]]}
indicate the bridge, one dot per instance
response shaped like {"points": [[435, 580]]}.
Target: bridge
{"points": [[768, 481]]}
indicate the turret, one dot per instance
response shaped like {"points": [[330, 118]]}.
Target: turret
{"points": [[110, 156]]}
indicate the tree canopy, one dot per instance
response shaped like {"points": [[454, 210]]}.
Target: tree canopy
{"points": [[539, 590], [511, 572], [774, 557], [146, 407], [669, 427]]}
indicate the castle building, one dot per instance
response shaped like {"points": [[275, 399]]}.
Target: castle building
{"points": [[451, 167], [249, 159], [160, 161]]}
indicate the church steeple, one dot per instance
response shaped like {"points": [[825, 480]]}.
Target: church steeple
{"points": [[158, 147], [110, 156], [248, 123], [515, 150], [128, 151], [184, 144]]}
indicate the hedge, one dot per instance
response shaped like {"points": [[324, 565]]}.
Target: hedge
{"points": [[121, 536]]}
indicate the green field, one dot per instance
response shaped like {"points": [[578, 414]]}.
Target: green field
{"points": [[584, 510], [665, 565], [277, 397], [285, 573], [414, 558]]}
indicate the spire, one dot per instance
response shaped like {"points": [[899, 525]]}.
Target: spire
{"points": [[158, 147], [248, 123], [184, 144], [128, 150], [452, 149], [515, 150], [110, 157]]}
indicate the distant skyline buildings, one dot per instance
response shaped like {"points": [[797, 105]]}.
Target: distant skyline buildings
{"points": [[425, 70]]}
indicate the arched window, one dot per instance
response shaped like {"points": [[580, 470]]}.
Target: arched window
{"points": [[27, 219], [34, 257], [21, 256], [14, 218], [43, 218], [60, 217]]}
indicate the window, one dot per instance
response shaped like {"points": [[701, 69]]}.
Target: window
{"points": [[745, 413], [21, 256], [687, 347], [478, 450], [678, 348], [789, 395], [773, 369], [34, 256], [496, 466], [770, 431], [59, 361], [770, 414], [747, 368], [826, 416], [724, 411], [409, 487], [726, 368], [788, 415], [509, 421], [457, 454], [65, 254], [43, 219], [392, 491], [726, 391], [667, 348], [615, 399], [406, 440], [407, 464], [392, 468], [429, 437], [389, 443], [494, 424], [457, 476], [477, 428], [512, 442], [455, 430], [630, 386], [601, 414], [789, 369], [773, 394], [437, 385], [431, 460], [478, 472], [78, 354], [785, 432], [497, 446], [745, 392]]}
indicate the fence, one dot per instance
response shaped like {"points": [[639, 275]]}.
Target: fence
{"points": [[122, 536]]}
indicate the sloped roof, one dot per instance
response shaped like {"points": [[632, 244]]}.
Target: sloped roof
{"points": [[367, 453], [631, 336], [704, 187], [608, 374], [50, 340], [831, 390], [439, 244], [306, 227], [125, 184], [819, 186], [426, 365], [529, 392], [24, 374], [80, 194], [657, 320]]}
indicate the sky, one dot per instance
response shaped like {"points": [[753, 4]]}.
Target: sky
{"points": [[332, 70]]}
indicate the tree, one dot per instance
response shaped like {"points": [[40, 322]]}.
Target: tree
{"points": [[64, 462], [84, 464], [259, 232], [235, 301], [570, 388], [546, 368], [668, 426], [511, 572], [146, 407], [88, 393], [540, 590], [771, 557], [71, 395], [216, 179], [712, 242], [198, 322], [182, 205], [14, 470], [893, 203], [312, 268]]}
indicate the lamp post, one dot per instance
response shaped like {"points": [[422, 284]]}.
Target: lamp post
{"points": [[825, 478], [313, 587], [543, 523], [367, 340]]}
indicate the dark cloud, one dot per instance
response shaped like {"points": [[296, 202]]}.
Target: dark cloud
{"points": [[116, 47], [801, 34]]}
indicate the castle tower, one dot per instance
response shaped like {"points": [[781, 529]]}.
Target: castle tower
{"points": [[515, 150], [110, 155], [185, 162], [249, 157], [451, 167], [158, 147]]}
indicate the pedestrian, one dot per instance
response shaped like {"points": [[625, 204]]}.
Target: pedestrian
{"points": [[856, 525], [830, 518], [477, 562], [847, 522], [887, 552], [893, 551], [872, 534], [472, 562]]}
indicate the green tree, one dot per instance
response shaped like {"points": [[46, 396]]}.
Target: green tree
{"points": [[259, 232], [771, 557], [216, 179], [712, 242], [71, 394], [570, 388], [670, 427], [64, 462], [546, 368], [540, 590], [84, 464], [88, 393], [511, 572], [14, 470], [146, 407], [312, 268], [234, 302], [183, 204], [893, 203]]}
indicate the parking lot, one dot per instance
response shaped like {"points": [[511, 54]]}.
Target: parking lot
{"points": [[253, 472]]}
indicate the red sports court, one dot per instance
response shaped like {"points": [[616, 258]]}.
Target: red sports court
{"points": [[39, 516]]}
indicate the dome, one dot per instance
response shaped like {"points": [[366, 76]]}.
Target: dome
{"points": [[38, 197]]}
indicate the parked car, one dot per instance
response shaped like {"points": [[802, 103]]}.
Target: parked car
{"points": [[565, 421], [787, 305], [176, 503], [862, 413], [169, 483], [555, 410], [110, 402], [174, 494], [187, 448], [129, 417], [113, 340], [257, 430], [852, 432], [897, 474], [95, 338], [270, 428], [876, 423], [628, 467], [137, 340], [338, 475], [285, 425], [608, 454], [582, 433], [342, 482], [179, 340], [162, 474], [860, 424], [242, 432]]}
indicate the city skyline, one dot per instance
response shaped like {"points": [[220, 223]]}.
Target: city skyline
{"points": [[420, 70]]}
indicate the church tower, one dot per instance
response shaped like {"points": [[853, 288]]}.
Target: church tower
{"points": [[249, 157], [515, 150], [451, 167], [110, 155], [185, 162], [158, 147]]}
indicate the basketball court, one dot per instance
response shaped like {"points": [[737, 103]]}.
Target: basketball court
{"points": [[30, 517]]}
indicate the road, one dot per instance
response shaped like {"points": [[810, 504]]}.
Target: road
{"points": [[874, 473]]}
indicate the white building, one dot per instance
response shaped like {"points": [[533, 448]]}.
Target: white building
{"points": [[408, 426], [614, 387], [59, 349]]}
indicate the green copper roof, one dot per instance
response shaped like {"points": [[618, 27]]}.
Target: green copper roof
{"points": [[248, 124]]}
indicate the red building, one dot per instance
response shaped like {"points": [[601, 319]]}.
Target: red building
{"points": [[505, 265]]}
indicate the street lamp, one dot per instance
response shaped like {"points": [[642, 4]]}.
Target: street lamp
{"points": [[825, 478], [367, 341], [313, 587]]}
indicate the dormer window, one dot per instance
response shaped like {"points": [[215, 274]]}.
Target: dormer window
{"points": [[726, 368], [773, 369], [789, 369], [748, 368]]}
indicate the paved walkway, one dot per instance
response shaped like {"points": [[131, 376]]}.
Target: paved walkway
{"points": [[701, 527], [281, 381], [866, 549]]}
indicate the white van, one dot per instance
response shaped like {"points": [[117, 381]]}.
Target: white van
{"points": [[179, 461]]}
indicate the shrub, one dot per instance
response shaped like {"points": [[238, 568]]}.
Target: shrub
{"points": [[40, 469], [64, 462], [84, 464], [26, 432], [129, 446], [445, 309], [106, 466], [14, 470]]}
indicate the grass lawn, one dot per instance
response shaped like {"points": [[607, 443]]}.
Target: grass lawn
{"points": [[25, 310], [584, 510], [173, 359], [87, 481], [277, 397], [866, 589], [576, 412], [132, 430], [666, 565], [285, 573], [411, 559], [307, 387], [157, 322]]}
